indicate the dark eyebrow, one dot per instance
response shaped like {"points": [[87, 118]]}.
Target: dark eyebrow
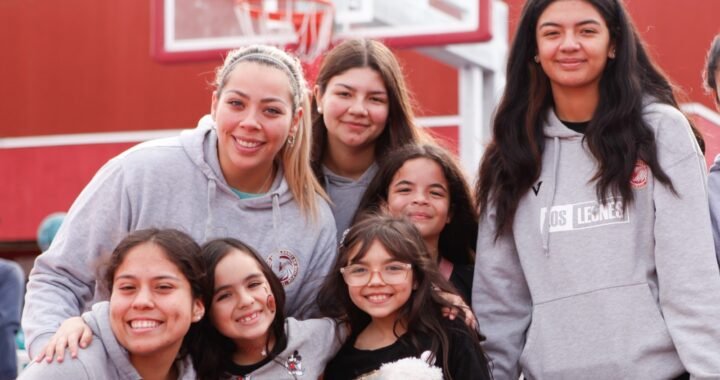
{"points": [[581, 23], [251, 276], [351, 88], [161, 277], [271, 99]]}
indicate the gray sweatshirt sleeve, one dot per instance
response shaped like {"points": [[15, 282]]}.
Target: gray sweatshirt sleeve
{"points": [[501, 299], [714, 196], [62, 281], [319, 265], [687, 271], [68, 369]]}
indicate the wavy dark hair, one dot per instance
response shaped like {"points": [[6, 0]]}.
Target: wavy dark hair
{"points": [[400, 128], [617, 135], [421, 314], [458, 238], [213, 354], [181, 250], [711, 67]]}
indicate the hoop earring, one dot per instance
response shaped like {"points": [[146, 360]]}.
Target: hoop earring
{"points": [[291, 140]]}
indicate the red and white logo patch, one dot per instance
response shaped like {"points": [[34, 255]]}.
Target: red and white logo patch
{"points": [[285, 265], [640, 175]]}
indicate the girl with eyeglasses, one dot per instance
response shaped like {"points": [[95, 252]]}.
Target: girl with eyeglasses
{"points": [[384, 287]]}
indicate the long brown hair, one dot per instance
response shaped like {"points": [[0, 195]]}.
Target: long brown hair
{"points": [[400, 128], [617, 135], [422, 312]]}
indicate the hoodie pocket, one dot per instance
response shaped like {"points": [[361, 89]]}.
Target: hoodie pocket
{"points": [[610, 333]]}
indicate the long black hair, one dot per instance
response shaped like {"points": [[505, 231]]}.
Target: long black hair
{"points": [[458, 238], [617, 135], [422, 312], [213, 353]]}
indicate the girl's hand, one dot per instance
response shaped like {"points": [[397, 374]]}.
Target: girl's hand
{"points": [[72, 333], [458, 304]]}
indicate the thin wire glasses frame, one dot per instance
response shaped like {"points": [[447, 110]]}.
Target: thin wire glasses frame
{"points": [[391, 274]]}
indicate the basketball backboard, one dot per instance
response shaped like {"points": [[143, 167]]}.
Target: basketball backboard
{"points": [[205, 29]]}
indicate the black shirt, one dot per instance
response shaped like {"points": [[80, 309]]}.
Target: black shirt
{"points": [[465, 361], [579, 127], [461, 278]]}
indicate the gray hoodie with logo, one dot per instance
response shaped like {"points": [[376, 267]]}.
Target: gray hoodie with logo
{"points": [[581, 290], [103, 359], [174, 183], [311, 344]]}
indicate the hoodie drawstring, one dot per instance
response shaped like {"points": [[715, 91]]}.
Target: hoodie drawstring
{"points": [[551, 198], [212, 189], [276, 218]]}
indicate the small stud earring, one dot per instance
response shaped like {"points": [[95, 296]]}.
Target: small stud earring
{"points": [[319, 110], [537, 59], [291, 140], [611, 55]]}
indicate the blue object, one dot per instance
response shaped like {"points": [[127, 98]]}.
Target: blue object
{"points": [[48, 228]]}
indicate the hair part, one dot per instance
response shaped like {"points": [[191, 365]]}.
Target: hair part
{"points": [[214, 353], [422, 312], [458, 238], [617, 135], [711, 68], [400, 127], [294, 158]]}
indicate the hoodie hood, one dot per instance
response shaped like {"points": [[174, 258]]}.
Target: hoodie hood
{"points": [[556, 131], [98, 319], [99, 322], [201, 145]]}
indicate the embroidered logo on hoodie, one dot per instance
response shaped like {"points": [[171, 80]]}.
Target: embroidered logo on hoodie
{"points": [[640, 175], [583, 215], [285, 265]]}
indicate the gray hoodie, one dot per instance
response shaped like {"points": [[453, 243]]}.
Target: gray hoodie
{"points": [[103, 359], [579, 290], [173, 183], [311, 344], [714, 197], [346, 194]]}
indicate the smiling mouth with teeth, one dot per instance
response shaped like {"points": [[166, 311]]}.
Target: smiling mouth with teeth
{"points": [[378, 297], [249, 318], [247, 144], [144, 324]]}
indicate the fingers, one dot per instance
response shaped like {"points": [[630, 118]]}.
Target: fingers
{"points": [[60, 345], [86, 337]]}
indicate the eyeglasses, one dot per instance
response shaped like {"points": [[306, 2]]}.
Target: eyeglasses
{"points": [[391, 274]]}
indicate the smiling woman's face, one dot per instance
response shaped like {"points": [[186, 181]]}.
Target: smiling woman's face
{"points": [[151, 304]]}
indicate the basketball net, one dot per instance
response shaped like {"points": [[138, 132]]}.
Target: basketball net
{"points": [[302, 26]]}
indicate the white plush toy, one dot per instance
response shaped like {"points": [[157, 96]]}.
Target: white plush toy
{"points": [[407, 368]]}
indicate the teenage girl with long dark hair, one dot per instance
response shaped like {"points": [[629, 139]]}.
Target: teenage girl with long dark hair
{"points": [[361, 111], [595, 255]]}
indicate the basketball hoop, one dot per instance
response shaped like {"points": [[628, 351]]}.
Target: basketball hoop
{"points": [[303, 26]]}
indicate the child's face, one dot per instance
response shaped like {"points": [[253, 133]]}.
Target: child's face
{"points": [[380, 300], [419, 192], [243, 307], [151, 304]]}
